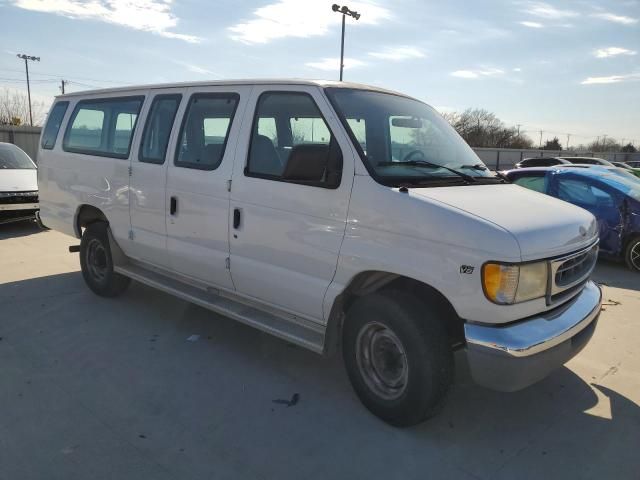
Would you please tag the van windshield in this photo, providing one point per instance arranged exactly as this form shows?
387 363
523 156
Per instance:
404 141
13 158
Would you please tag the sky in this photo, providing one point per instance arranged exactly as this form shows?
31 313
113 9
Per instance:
564 67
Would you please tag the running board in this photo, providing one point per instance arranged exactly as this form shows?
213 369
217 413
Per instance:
300 332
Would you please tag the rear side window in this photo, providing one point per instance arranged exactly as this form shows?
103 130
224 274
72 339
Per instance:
52 127
157 130
103 127
205 129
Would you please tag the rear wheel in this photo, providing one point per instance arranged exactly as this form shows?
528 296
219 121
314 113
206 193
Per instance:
97 263
398 357
632 254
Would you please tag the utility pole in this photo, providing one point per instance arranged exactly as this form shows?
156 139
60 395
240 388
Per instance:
541 138
344 10
62 85
519 125
604 143
568 137
26 59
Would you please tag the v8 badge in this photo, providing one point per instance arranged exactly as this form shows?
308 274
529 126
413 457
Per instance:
467 269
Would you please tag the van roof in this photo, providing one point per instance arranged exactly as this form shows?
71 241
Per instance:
263 81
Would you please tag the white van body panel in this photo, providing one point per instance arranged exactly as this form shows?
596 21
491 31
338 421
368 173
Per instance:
428 234
147 193
285 251
70 180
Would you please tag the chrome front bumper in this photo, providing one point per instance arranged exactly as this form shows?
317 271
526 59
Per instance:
13 207
514 356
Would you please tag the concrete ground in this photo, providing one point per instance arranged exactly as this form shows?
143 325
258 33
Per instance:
92 388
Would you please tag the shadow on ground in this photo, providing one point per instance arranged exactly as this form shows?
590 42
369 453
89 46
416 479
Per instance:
616 274
19 229
114 388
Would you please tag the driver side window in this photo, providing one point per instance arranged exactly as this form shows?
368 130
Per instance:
582 193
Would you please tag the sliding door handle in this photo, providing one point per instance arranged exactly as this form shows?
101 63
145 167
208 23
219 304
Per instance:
236 218
173 208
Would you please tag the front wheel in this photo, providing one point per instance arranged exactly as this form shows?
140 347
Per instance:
632 254
96 262
398 357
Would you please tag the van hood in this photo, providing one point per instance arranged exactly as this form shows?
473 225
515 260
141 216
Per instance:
18 180
542 225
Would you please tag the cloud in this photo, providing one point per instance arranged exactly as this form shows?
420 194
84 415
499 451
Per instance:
333 63
197 69
486 72
153 16
612 52
611 79
398 53
611 17
545 10
532 24
287 18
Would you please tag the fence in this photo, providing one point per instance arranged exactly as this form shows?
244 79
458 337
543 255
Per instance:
506 158
27 138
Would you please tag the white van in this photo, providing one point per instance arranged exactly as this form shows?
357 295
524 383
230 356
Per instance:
333 215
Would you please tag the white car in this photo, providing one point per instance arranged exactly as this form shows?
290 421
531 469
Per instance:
333 215
18 184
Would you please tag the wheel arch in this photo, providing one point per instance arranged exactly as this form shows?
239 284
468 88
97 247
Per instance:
368 282
85 215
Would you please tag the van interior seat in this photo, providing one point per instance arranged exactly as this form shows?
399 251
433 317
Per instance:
307 163
212 154
264 157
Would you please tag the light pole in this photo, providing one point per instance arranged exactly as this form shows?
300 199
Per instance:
26 59
344 11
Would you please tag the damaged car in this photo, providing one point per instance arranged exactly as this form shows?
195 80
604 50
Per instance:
612 198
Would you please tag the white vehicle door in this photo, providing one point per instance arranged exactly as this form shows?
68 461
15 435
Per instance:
198 183
289 199
147 188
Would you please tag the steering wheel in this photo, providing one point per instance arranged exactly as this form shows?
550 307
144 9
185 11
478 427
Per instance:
412 153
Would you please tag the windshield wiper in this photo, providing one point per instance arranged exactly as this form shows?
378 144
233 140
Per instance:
424 163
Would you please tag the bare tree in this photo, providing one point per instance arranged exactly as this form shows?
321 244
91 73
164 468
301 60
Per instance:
481 128
14 108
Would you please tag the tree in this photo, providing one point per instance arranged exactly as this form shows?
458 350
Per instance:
14 108
553 144
629 148
481 128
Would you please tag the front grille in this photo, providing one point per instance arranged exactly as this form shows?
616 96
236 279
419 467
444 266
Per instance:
569 273
575 268
9 198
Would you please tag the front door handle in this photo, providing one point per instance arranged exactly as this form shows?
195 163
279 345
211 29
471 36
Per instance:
236 218
173 208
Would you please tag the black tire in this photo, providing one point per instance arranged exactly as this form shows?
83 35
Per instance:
632 254
96 262
409 398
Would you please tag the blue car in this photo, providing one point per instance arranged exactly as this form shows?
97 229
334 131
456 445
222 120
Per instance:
613 198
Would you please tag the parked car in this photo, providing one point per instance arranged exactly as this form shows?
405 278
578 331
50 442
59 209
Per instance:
18 184
626 166
588 161
540 162
623 172
612 197
633 163
333 215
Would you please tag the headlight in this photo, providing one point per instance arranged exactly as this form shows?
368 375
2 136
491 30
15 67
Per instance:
508 284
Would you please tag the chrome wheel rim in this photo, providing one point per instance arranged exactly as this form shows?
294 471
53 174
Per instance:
635 256
96 260
382 361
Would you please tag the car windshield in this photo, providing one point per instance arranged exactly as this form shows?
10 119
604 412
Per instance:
404 141
13 158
